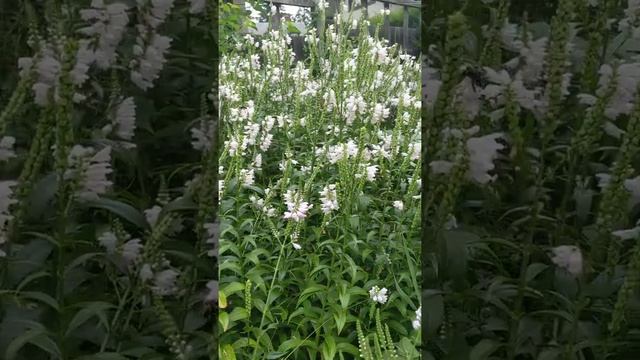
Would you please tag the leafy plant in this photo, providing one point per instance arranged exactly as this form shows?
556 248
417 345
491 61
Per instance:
319 196
531 199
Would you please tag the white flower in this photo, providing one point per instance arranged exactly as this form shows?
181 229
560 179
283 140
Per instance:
297 209
152 215
399 205
89 170
482 151
371 172
165 282
378 295
568 257
108 24
627 234
125 119
84 58
146 273
247 176
379 113
131 250
48 69
6 148
109 241
151 63
25 65
329 199
158 12
296 245
417 322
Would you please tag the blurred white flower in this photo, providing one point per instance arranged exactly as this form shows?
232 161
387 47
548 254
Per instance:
482 151
131 250
124 120
148 67
568 257
109 241
89 170
165 282
108 24
146 273
417 322
6 148
152 214
399 205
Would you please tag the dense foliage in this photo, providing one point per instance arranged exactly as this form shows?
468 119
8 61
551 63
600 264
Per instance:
320 188
104 202
532 147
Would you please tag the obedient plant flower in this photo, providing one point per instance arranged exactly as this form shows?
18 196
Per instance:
378 295
146 272
398 205
108 23
147 68
631 21
131 250
150 47
329 199
6 148
152 215
88 170
48 68
125 119
165 282
297 209
568 257
482 151
109 241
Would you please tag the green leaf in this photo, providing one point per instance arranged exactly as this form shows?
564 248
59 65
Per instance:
308 292
223 318
340 316
103 356
455 243
534 270
329 349
484 349
37 337
42 195
41 297
434 305
88 311
226 352
121 209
